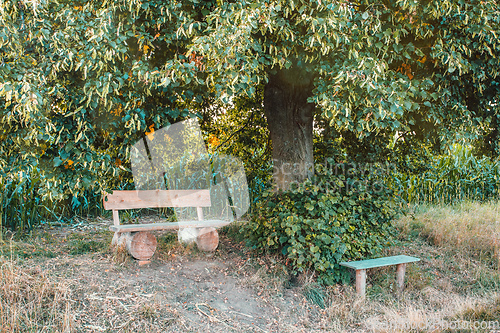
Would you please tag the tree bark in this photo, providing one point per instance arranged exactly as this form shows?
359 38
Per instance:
290 122
141 245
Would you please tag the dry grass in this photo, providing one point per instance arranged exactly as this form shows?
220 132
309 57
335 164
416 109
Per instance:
270 276
470 228
429 310
58 284
31 301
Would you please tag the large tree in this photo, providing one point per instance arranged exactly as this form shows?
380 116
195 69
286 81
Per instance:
82 80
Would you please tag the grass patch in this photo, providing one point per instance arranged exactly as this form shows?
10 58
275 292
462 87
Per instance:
483 312
233 231
316 294
167 242
51 244
79 246
469 228
41 245
31 301
79 243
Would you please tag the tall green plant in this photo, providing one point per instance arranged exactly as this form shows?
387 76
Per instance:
455 176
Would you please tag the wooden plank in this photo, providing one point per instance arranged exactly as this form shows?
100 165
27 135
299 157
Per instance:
120 200
199 211
379 262
361 282
168 225
116 217
400 277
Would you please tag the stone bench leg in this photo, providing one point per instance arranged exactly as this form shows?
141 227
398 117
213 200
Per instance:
361 282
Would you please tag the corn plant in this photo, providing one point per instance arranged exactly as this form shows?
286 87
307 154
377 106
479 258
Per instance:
28 199
20 208
455 176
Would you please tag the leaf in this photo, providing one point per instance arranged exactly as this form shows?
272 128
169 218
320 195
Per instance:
308 206
57 162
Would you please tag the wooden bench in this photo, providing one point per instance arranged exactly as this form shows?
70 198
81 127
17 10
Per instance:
361 267
140 243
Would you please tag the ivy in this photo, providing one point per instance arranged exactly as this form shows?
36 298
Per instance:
325 220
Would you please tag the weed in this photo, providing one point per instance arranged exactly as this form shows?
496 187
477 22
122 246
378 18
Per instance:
316 294
119 255
167 242
232 231
148 311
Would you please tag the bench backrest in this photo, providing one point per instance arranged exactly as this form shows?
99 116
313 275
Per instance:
120 200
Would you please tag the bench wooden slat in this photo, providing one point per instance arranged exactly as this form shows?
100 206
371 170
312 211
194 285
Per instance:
167 225
120 200
379 262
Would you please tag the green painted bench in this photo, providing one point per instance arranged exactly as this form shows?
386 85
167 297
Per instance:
362 265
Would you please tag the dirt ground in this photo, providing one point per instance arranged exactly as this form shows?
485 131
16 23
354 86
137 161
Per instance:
182 290
210 294
68 279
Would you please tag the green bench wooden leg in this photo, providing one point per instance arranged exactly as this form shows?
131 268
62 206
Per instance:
361 282
400 277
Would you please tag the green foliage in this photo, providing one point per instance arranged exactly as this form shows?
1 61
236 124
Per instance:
82 246
240 130
76 91
455 176
28 198
325 220
82 81
379 66
20 207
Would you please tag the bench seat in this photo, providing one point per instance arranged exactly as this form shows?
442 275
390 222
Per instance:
167 225
379 262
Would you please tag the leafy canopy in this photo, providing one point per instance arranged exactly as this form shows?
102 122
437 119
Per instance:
80 81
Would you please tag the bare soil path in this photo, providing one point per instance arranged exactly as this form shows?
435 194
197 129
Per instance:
182 290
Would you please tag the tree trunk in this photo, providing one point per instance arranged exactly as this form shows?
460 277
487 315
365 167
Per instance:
208 239
290 122
141 245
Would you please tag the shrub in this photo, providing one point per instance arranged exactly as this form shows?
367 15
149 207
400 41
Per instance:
327 219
